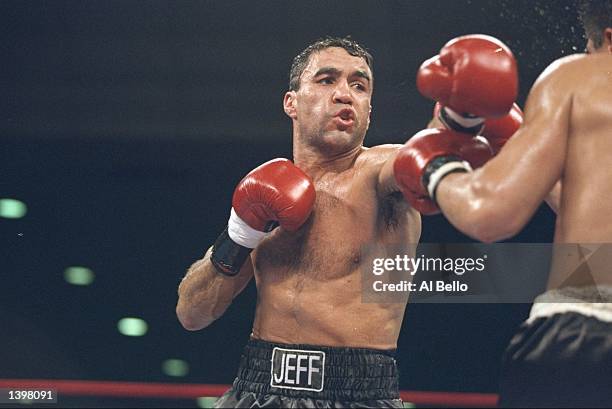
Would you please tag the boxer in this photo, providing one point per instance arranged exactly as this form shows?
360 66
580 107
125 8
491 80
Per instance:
299 229
562 355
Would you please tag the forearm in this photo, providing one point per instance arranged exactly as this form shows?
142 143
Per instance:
205 293
477 208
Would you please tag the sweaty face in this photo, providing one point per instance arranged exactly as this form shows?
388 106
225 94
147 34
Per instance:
332 106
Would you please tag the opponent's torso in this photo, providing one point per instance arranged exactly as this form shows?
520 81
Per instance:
585 214
309 282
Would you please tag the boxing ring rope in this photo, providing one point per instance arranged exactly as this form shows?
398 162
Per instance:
192 391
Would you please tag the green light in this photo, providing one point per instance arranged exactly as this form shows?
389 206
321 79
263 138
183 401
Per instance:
175 367
409 405
12 208
77 275
206 402
132 327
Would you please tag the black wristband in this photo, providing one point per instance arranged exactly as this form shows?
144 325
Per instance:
227 255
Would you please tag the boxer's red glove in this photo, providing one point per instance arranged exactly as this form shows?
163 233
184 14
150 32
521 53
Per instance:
275 193
429 156
497 131
474 77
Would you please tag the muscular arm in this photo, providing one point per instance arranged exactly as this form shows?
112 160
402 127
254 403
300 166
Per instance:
496 201
387 186
205 294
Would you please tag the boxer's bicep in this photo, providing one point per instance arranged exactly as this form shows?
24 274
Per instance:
535 157
532 161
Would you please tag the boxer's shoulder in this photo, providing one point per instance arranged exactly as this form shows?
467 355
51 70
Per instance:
559 81
376 156
369 163
585 69
394 209
569 66
578 74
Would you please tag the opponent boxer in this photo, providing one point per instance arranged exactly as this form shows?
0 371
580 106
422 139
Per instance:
314 342
562 355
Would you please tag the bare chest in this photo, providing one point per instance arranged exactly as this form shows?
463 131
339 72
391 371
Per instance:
329 244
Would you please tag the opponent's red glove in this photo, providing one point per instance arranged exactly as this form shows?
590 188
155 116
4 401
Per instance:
430 155
473 77
497 131
275 193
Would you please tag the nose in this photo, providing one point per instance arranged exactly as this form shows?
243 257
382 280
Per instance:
342 93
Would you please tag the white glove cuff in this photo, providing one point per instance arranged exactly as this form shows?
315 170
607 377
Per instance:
464 121
243 234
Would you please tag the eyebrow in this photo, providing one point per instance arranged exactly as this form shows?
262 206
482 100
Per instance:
336 72
362 74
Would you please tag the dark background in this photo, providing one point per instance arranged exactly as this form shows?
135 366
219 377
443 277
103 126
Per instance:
125 126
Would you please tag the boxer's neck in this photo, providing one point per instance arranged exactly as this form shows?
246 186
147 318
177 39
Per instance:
316 163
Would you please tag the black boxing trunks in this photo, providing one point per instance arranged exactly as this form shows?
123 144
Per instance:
562 355
310 376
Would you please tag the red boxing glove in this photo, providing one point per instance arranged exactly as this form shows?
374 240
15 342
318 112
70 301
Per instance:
498 130
473 74
430 155
277 192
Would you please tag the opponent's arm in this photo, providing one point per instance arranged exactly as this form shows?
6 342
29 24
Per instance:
496 201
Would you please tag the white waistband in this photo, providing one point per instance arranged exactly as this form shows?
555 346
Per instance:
590 301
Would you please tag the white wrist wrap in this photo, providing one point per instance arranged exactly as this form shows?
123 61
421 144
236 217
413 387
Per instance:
442 171
243 234
464 121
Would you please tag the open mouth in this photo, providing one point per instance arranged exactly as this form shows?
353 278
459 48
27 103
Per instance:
345 117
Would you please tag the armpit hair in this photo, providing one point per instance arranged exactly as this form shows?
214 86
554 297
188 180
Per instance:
389 208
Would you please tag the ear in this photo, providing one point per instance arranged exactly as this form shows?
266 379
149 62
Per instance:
290 104
608 39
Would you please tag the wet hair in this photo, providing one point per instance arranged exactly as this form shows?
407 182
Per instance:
301 60
596 16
